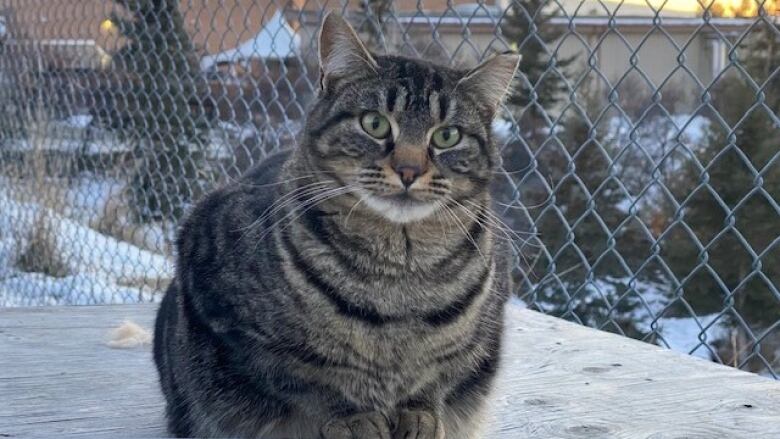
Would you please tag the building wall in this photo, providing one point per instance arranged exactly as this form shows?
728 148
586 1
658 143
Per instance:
219 25
633 49
651 52
655 55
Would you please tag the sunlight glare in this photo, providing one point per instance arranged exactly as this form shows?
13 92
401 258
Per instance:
721 8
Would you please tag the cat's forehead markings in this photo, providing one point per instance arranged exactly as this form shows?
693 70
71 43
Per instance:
437 82
437 111
392 95
446 106
402 97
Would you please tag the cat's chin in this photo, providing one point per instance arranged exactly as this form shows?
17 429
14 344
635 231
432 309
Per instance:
400 209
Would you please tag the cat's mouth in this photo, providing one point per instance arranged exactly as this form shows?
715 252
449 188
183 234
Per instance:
403 198
402 207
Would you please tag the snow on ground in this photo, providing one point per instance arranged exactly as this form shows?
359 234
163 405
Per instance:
17 221
155 237
86 198
502 129
100 143
640 304
651 134
693 129
646 298
82 250
90 267
689 335
276 40
78 120
72 134
240 132
105 143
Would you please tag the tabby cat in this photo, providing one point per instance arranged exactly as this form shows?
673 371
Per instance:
353 287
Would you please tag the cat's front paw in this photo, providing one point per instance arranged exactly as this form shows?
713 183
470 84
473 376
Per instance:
369 425
418 424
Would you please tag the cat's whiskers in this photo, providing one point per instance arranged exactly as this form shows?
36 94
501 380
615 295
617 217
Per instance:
496 230
508 234
375 184
354 206
522 206
313 195
501 231
289 197
483 219
439 213
518 171
284 201
465 231
501 222
532 266
244 183
307 205
442 224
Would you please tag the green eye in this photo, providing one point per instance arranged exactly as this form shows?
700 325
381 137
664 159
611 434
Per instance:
446 137
375 124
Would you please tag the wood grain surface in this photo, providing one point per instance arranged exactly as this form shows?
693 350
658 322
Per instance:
558 380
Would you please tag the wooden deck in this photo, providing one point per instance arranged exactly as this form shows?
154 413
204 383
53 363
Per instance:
559 380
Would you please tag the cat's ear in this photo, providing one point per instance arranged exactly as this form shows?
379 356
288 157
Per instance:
490 81
341 51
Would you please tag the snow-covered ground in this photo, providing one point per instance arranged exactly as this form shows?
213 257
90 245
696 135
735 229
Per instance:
87 197
75 133
693 335
640 303
650 135
54 257
79 249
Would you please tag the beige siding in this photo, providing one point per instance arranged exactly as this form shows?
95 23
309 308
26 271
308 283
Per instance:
219 25
661 52
655 55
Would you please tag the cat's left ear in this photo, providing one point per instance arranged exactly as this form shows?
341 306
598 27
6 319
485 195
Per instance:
490 81
341 52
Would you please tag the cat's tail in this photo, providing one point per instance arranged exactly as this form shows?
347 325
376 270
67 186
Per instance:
128 335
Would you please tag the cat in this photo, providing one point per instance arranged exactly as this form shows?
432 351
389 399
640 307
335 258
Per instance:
352 287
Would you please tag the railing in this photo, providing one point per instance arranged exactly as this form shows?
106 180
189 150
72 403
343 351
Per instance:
641 147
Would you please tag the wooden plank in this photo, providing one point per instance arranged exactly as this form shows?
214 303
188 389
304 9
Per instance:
58 378
558 380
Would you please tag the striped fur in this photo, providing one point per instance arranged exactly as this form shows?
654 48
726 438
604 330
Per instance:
316 289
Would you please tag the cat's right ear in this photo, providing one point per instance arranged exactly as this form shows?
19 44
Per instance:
341 51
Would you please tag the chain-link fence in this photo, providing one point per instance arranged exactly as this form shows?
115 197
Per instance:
641 146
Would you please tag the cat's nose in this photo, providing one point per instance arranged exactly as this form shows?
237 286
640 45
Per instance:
408 174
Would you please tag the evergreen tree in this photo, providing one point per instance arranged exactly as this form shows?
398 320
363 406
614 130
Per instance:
527 28
589 240
159 111
373 24
742 219
583 227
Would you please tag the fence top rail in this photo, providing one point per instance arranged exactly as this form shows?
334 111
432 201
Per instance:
58 378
